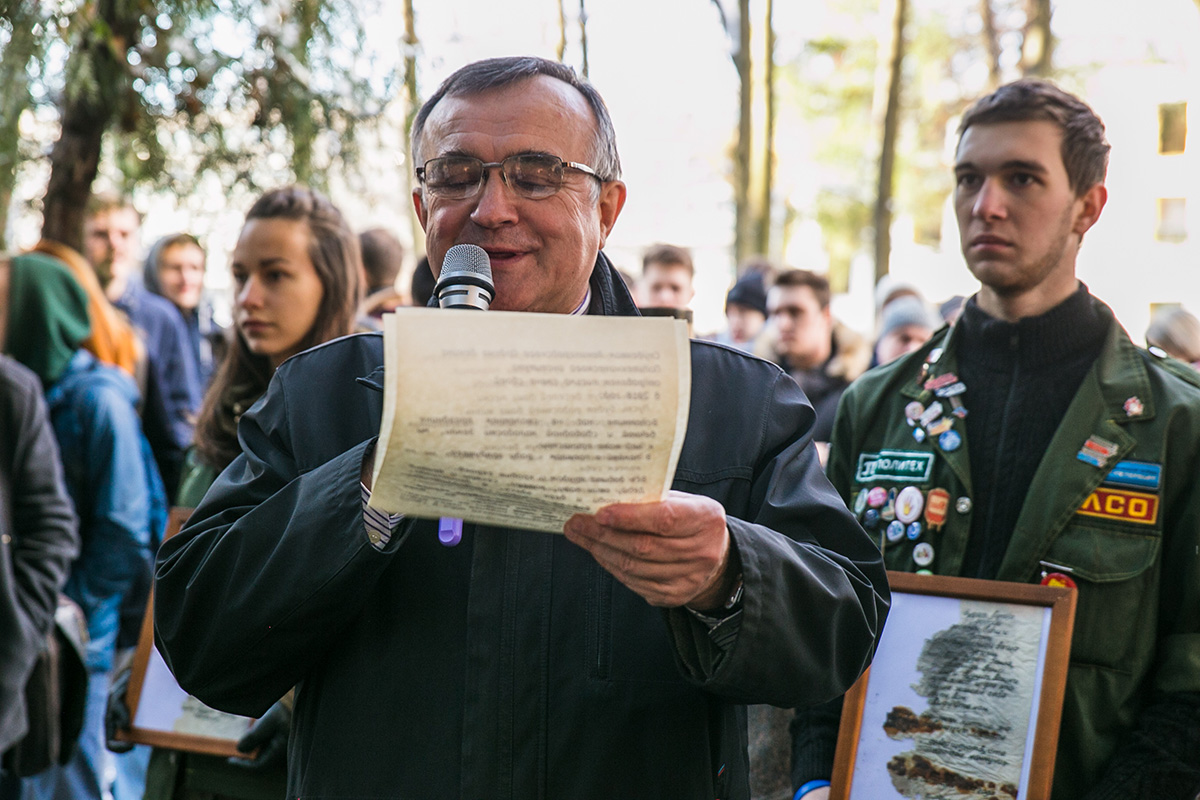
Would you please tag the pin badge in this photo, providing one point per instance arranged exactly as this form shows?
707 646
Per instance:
1134 407
1097 451
913 412
949 441
941 381
860 502
895 531
936 505
923 554
871 519
919 434
1058 579
888 510
941 426
877 497
932 413
963 505
909 504
913 531
953 390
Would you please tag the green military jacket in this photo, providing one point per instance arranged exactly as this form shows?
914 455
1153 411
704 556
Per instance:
1114 503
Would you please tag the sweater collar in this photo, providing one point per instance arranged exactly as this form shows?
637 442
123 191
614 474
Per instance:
1073 326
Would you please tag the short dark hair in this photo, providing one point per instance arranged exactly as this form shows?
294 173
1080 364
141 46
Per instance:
1084 148
802 277
495 73
382 257
668 255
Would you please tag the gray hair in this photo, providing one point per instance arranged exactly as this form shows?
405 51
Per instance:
495 73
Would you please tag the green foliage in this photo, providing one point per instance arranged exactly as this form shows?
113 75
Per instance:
257 92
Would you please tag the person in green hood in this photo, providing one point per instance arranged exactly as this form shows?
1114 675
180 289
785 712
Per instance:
110 475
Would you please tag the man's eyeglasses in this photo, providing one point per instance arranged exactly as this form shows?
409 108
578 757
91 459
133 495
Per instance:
530 175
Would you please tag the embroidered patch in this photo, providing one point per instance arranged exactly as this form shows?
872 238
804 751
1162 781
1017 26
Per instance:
1121 505
894 465
1135 475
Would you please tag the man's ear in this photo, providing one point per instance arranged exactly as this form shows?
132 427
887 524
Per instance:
1091 204
418 198
612 200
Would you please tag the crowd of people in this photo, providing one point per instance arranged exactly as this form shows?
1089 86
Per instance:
381 659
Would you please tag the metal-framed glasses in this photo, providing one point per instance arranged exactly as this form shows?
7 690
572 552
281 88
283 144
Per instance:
531 175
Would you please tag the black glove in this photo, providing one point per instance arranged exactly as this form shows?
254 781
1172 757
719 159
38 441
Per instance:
268 735
116 712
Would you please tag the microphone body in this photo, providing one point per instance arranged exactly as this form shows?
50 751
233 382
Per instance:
466 279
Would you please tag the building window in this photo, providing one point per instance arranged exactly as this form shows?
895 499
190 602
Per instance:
1172 128
1172 219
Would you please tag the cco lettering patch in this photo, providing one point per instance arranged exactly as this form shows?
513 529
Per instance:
894 465
1122 505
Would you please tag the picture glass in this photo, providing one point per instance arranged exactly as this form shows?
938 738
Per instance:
953 715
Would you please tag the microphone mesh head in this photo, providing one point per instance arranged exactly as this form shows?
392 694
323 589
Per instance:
468 258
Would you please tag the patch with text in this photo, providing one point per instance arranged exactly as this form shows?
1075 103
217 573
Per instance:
1122 505
894 465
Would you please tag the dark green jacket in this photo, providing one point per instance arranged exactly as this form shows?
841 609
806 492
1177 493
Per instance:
1132 555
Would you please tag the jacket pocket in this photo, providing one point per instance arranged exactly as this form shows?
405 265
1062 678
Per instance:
626 638
1116 572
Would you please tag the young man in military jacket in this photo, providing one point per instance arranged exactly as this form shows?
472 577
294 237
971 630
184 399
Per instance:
1033 442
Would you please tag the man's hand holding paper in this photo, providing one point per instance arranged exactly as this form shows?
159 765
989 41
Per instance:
672 553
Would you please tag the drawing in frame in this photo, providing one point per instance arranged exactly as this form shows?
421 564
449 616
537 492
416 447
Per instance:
162 713
964 696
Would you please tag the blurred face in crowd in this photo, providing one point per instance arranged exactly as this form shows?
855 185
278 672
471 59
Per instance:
803 329
277 290
181 274
744 322
1019 220
542 251
110 239
665 286
901 341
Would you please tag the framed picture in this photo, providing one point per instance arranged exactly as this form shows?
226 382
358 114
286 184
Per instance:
165 715
964 696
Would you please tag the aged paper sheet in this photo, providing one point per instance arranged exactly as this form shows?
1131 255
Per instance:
521 420
961 729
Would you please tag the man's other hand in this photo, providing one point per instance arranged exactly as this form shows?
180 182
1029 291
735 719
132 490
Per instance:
672 553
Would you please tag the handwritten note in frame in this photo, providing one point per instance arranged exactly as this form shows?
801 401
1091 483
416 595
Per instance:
966 690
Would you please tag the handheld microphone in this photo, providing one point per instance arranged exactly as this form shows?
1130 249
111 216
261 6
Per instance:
466 278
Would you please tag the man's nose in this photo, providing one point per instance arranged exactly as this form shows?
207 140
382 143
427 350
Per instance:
990 201
496 202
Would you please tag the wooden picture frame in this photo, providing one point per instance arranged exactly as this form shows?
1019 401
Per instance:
163 714
966 689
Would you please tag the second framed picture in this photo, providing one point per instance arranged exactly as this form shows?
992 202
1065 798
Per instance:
964 696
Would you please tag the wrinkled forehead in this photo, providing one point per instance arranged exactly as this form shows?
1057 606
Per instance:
538 114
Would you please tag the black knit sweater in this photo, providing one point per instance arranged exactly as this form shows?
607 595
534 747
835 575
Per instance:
1020 377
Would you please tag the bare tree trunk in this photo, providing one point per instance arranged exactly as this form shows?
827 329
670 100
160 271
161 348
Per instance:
742 242
991 41
86 115
887 151
411 106
14 77
1037 50
562 31
762 238
583 44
